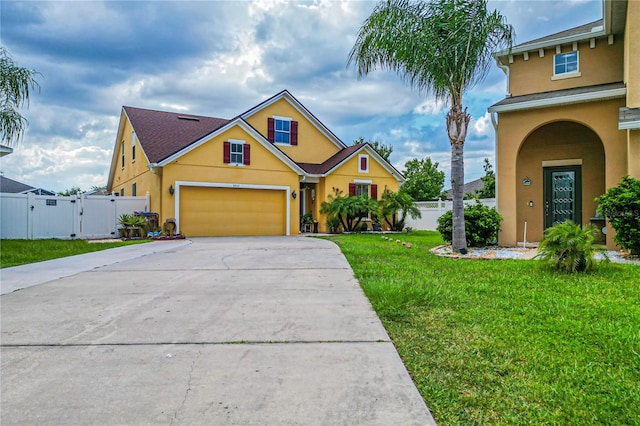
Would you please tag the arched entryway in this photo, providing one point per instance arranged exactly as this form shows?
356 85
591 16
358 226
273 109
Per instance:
560 170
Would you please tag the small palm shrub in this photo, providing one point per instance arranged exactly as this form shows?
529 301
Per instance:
481 223
568 247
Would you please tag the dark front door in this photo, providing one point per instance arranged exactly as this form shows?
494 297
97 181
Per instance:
562 195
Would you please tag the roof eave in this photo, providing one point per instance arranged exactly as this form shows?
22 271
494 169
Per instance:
562 100
549 43
247 128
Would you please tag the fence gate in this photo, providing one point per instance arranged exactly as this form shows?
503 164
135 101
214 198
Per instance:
30 216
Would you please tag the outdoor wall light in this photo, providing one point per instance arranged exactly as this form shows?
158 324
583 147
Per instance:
171 190
293 194
530 203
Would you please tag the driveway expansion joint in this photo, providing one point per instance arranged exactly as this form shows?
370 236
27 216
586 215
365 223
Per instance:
230 342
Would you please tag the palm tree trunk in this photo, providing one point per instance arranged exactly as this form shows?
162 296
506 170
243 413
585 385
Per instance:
457 123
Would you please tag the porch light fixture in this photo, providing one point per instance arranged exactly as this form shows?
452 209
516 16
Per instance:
171 190
293 194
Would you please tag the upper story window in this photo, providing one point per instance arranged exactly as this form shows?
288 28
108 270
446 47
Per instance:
282 130
565 63
363 163
133 146
122 153
237 152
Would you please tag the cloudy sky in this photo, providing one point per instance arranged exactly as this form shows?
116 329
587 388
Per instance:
220 58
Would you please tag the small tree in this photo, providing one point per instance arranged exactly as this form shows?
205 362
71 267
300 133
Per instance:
488 182
15 85
621 205
393 204
382 149
74 190
349 210
423 179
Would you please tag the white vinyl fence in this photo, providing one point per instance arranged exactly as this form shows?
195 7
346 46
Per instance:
432 210
32 217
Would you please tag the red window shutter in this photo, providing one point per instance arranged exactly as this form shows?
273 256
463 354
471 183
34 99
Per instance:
227 152
352 189
271 134
246 154
374 191
363 163
294 133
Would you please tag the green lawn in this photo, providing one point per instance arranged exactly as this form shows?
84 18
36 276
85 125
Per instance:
20 252
503 341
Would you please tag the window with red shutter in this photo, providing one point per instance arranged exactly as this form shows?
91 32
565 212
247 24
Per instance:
374 191
363 163
352 189
294 133
226 156
271 134
246 151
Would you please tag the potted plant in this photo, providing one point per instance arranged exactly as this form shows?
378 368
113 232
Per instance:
125 223
138 223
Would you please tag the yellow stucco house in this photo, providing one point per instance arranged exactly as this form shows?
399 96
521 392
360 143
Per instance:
254 174
569 127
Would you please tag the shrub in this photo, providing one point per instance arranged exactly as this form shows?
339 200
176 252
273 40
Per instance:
621 205
482 225
568 247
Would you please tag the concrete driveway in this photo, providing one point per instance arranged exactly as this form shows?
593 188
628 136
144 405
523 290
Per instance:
255 330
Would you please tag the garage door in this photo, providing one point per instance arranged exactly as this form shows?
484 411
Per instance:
206 211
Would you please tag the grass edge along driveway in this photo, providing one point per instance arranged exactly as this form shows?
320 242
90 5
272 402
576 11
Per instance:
21 252
504 341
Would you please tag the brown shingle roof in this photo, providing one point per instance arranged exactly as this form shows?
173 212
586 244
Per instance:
337 158
582 29
162 134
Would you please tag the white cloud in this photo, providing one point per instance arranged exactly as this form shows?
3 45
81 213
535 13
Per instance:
430 107
482 127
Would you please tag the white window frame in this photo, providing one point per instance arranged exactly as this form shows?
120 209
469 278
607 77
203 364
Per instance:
122 156
360 169
277 118
566 74
133 146
236 142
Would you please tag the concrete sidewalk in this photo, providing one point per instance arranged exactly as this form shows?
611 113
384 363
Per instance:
23 276
271 330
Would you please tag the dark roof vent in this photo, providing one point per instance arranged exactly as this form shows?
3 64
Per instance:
184 117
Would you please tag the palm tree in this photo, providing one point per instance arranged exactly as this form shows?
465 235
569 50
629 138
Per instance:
15 84
392 203
443 47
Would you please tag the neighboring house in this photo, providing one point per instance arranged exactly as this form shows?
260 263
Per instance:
14 187
569 128
5 150
468 189
255 174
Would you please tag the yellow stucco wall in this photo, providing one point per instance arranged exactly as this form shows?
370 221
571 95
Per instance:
513 130
134 171
313 146
600 65
348 173
632 54
205 164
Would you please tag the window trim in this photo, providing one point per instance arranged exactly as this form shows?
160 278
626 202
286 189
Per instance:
566 74
122 154
233 142
275 131
133 146
360 158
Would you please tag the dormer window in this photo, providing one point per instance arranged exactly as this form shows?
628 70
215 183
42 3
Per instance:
565 63
282 130
363 163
